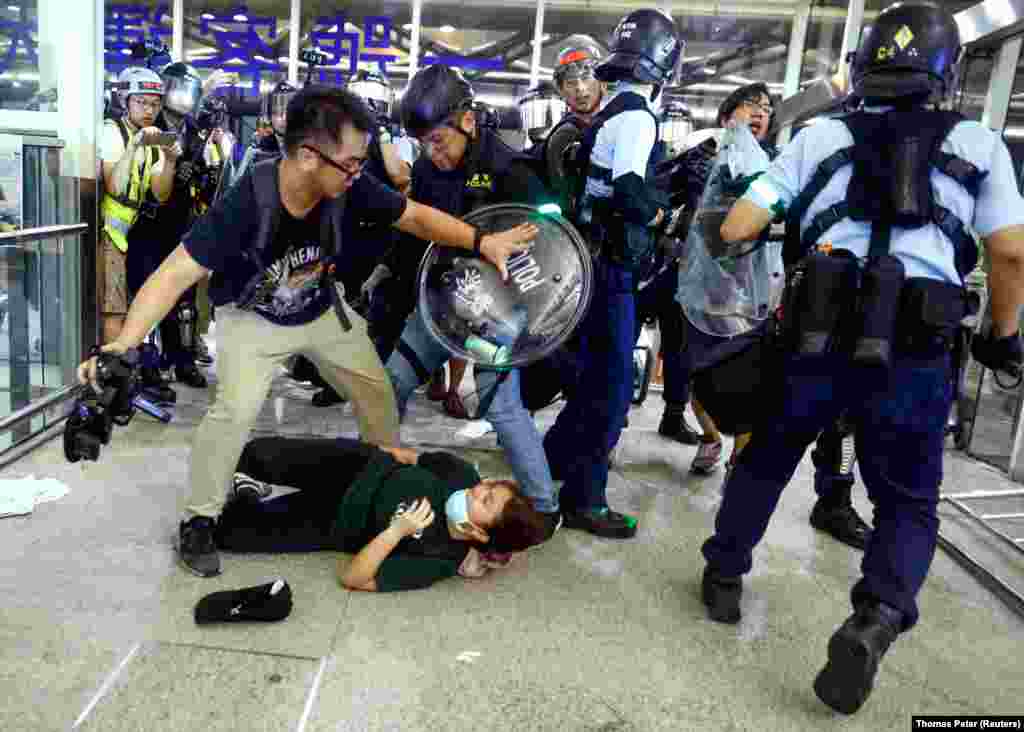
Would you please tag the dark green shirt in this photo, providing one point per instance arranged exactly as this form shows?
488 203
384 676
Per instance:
387 488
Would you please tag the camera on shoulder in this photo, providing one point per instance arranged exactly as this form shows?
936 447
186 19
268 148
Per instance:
95 413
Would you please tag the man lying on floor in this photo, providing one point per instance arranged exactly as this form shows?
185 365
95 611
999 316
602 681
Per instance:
378 503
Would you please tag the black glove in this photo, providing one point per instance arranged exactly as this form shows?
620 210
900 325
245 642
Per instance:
697 163
999 354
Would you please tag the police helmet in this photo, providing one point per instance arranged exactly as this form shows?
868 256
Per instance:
183 88
375 89
911 50
676 125
275 103
540 109
645 47
577 58
433 95
138 80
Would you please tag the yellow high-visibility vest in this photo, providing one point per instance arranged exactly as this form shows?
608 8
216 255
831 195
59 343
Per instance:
121 212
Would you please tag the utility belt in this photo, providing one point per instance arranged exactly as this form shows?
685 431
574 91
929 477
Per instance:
621 242
834 306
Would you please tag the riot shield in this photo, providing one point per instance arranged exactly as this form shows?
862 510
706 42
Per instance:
476 316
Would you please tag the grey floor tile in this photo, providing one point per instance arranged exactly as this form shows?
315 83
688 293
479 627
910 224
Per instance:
169 688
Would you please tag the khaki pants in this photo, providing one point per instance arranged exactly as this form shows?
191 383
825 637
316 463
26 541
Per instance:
249 351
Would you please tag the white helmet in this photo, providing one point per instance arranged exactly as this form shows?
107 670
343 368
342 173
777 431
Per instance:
139 80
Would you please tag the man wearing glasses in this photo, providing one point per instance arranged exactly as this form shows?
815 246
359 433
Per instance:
274 297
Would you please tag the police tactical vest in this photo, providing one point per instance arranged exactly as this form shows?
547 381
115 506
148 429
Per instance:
264 180
120 212
893 154
634 245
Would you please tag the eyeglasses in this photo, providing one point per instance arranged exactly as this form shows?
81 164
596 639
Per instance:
353 166
146 105
755 104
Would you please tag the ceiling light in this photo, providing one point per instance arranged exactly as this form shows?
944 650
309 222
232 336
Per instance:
208 16
15 83
126 51
13 8
447 29
283 59
407 26
333 29
241 18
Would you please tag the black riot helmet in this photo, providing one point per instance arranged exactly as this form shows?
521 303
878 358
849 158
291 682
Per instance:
645 47
374 88
274 106
433 95
183 89
911 50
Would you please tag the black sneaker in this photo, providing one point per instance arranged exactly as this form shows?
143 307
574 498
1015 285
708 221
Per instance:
190 376
602 522
244 486
675 427
842 523
327 398
154 386
721 595
854 652
196 548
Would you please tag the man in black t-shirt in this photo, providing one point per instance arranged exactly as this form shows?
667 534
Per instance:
274 297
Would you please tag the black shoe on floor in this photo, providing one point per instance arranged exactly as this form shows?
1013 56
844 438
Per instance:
154 387
842 523
675 427
190 376
854 652
602 522
196 548
327 398
721 595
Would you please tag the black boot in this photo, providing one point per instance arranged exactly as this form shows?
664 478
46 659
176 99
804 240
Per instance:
189 375
675 427
721 594
854 652
842 523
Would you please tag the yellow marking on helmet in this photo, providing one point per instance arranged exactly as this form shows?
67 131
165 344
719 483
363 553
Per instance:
903 37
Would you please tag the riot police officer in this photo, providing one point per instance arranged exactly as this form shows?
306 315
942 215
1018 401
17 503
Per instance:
619 214
269 140
878 202
465 166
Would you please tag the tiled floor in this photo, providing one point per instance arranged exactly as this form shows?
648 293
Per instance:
96 628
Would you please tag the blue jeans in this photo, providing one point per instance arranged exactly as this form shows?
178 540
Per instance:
589 425
900 418
517 432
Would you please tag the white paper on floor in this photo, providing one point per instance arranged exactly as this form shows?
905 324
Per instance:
19 496
475 429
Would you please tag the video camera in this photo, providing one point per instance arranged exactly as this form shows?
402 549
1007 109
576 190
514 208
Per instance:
213 111
94 414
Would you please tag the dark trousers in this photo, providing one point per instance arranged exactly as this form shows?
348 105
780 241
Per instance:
322 470
900 416
389 310
589 425
144 258
658 300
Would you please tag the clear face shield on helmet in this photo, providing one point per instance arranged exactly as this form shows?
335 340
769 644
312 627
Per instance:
539 113
379 97
579 86
275 110
182 94
676 125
